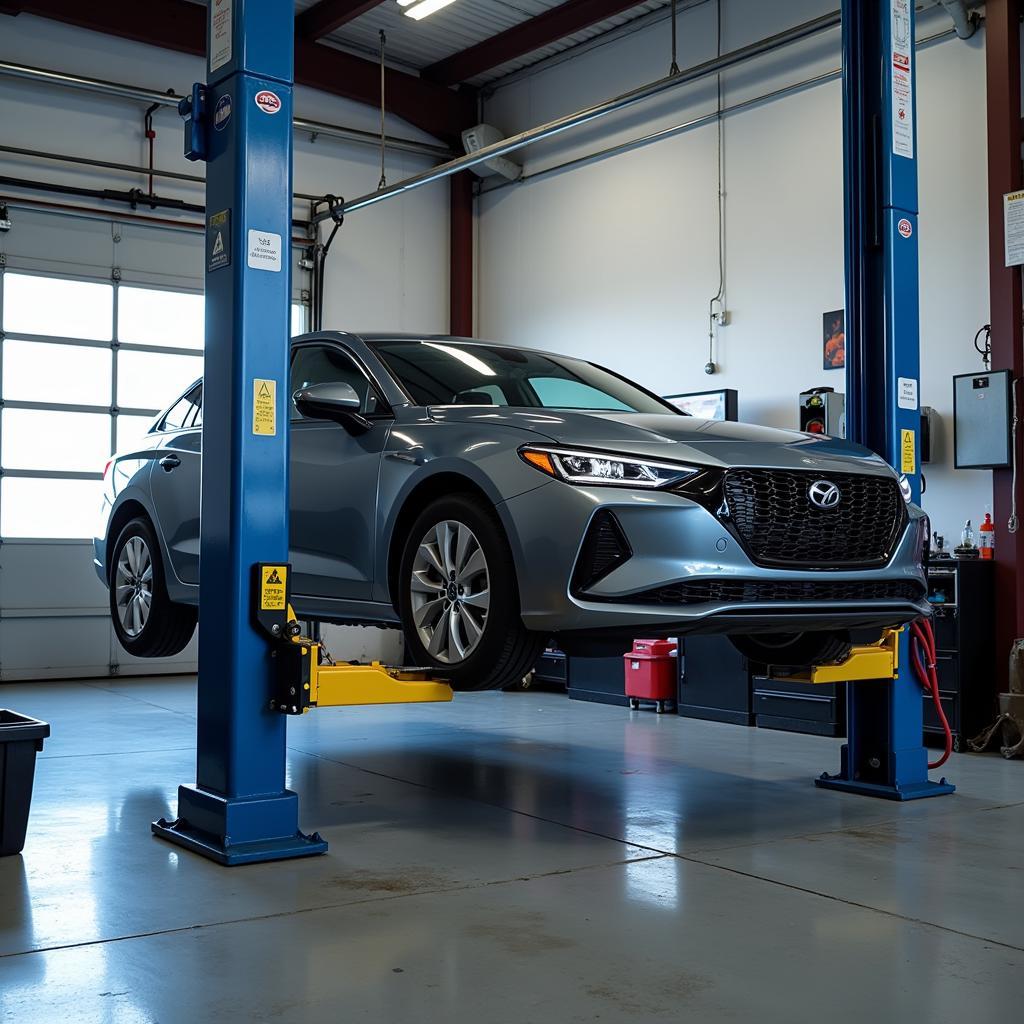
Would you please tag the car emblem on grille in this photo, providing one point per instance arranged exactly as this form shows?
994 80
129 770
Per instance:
824 494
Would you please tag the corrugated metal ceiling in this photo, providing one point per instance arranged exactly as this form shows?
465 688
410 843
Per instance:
463 23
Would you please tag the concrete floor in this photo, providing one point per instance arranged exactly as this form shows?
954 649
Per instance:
508 857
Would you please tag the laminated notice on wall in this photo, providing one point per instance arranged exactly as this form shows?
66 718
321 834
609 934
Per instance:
901 76
220 34
1013 228
264 407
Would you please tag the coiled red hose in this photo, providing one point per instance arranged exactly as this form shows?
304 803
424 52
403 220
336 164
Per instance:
922 655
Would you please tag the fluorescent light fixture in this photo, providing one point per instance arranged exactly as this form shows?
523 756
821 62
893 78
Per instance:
419 9
463 357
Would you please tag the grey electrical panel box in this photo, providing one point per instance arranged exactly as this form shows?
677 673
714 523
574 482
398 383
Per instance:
981 420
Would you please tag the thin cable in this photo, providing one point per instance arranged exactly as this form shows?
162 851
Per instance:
383 137
710 366
674 66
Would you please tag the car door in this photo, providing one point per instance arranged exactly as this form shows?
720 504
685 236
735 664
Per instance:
175 482
334 480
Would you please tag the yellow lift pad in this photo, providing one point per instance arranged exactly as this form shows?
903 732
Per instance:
866 661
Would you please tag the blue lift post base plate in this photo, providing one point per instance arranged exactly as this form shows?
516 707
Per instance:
913 791
213 847
241 830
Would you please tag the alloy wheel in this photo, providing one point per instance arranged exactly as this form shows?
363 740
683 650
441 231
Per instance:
134 585
450 592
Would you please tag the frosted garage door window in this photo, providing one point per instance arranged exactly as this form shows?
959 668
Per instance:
73 442
57 307
152 380
298 319
36 371
49 508
148 316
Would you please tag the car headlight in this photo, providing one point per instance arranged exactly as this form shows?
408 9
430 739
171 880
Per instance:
581 467
908 494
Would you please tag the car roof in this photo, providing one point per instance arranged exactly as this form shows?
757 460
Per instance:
378 337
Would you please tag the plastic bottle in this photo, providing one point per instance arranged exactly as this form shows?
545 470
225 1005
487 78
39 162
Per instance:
987 537
967 535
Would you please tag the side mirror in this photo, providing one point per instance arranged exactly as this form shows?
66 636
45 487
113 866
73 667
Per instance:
333 401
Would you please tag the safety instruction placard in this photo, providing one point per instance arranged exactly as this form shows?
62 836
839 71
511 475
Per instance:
901 77
908 451
906 395
220 34
1013 228
264 407
264 250
218 241
273 588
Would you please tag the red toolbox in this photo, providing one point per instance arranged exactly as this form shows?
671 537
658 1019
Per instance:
651 673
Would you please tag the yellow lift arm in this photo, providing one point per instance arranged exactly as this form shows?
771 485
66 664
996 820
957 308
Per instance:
866 661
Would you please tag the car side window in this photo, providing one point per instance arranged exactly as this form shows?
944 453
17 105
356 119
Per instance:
183 412
327 364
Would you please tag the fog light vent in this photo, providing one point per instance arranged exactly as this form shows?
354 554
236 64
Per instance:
604 549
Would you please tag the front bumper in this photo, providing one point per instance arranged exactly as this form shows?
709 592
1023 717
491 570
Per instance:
674 540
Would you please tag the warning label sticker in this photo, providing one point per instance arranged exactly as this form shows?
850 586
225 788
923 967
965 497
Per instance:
220 34
902 81
908 451
218 241
264 407
273 589
264 251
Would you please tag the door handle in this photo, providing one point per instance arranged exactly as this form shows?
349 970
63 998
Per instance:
168 462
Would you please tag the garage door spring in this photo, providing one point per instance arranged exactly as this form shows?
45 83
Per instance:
383 138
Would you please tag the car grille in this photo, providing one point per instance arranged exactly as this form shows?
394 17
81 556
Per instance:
773 517
749 591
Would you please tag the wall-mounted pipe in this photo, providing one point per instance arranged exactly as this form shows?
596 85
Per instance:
42 76
581 117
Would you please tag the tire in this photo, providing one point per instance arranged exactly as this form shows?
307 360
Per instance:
163 629
488 648
794 650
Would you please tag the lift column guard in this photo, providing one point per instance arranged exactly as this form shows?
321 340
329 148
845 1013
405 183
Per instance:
885 754
240 122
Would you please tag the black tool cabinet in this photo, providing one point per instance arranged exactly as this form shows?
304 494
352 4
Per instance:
962 592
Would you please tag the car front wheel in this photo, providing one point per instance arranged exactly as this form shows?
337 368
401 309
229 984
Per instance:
459 600
147 623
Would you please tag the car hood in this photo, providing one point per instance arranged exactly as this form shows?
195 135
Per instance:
675 438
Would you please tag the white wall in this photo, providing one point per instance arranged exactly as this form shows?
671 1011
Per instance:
388 268
616 260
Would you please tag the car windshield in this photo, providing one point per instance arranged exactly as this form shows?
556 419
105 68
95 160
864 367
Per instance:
456 373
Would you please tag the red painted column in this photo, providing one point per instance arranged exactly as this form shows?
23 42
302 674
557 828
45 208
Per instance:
1002 58
461 255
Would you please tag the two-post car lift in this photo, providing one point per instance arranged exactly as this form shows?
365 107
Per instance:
251 658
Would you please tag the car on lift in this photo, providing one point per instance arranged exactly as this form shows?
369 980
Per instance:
484 498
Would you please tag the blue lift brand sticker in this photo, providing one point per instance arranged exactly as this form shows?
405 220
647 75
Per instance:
218 241
222 112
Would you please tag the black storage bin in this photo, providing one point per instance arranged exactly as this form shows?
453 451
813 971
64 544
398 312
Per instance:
20 739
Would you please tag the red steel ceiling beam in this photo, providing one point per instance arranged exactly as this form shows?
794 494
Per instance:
1003 79
181 26
328 16
544 29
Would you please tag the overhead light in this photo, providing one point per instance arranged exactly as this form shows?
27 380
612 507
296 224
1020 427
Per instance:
419 9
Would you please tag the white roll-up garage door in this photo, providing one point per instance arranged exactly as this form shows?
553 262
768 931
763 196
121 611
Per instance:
102 327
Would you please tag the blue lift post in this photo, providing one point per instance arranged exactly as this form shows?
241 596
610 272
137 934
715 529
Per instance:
239 810
885 754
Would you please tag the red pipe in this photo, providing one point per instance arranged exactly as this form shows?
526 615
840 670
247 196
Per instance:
922 653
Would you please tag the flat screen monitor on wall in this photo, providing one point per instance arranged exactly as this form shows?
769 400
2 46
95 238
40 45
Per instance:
708 405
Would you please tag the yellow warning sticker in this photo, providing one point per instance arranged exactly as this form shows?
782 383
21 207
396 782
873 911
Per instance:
273 580
264 407
908 451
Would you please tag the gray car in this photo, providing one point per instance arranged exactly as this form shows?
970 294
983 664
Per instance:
485 498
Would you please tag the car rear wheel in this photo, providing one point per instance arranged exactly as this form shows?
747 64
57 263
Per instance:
147 623
459 600
795 650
